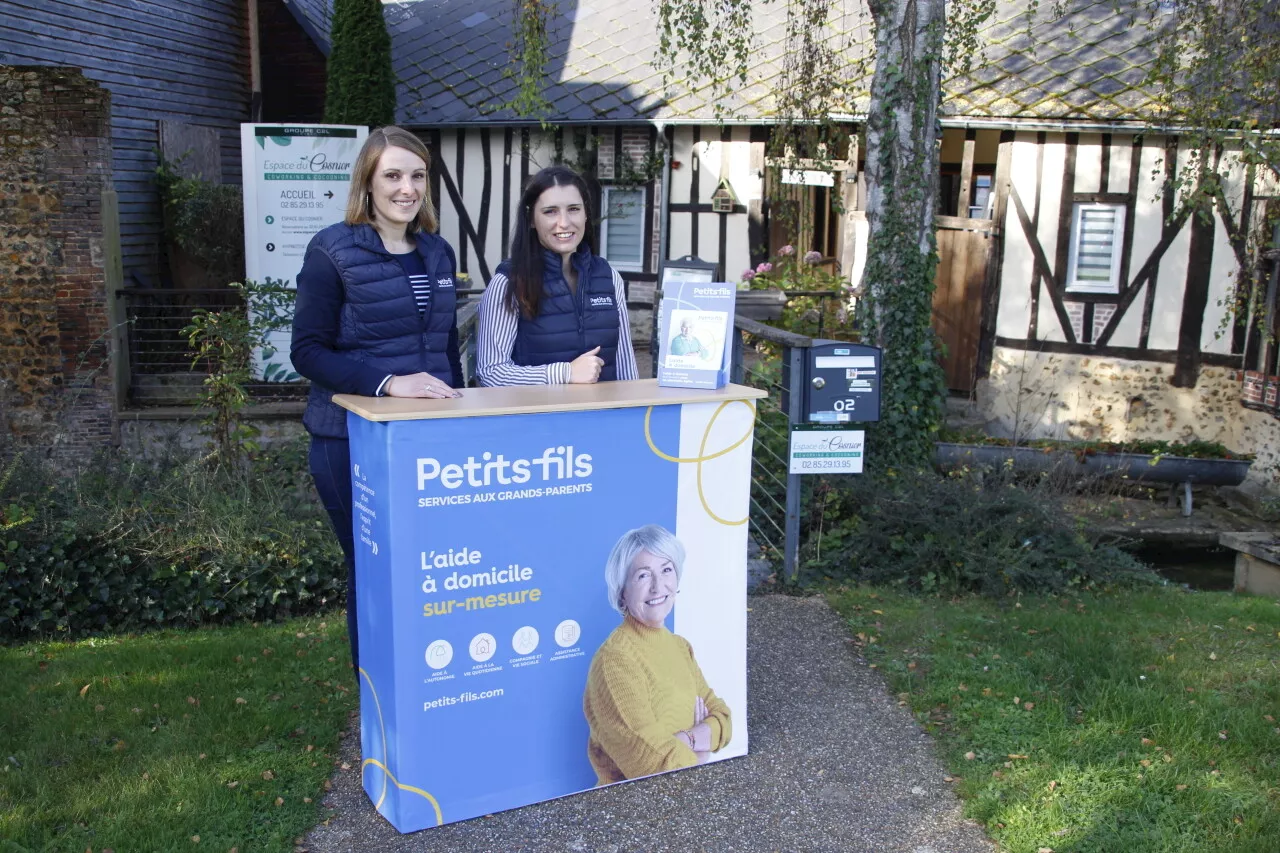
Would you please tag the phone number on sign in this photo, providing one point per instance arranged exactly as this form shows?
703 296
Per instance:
823 464
301 205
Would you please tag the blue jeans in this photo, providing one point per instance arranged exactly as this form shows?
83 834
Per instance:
330 465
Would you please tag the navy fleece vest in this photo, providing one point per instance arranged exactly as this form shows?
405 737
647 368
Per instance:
380 323
569 324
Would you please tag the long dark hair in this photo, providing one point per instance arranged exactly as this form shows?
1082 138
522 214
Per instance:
525 291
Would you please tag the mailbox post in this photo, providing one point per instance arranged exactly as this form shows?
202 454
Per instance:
827 387
833 385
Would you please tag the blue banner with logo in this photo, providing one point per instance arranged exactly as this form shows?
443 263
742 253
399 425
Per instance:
482 545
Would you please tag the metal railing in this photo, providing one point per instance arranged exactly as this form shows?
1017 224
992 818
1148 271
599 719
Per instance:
766 358
162 368
161 364
823 297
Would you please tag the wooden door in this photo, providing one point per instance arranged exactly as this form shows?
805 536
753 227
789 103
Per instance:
965 249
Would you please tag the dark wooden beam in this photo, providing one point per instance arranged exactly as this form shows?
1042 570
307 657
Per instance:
1066 210
1194 301
1131 353
464 220
991 288
694 164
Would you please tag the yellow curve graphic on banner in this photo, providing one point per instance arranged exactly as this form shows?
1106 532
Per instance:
382 732
703 456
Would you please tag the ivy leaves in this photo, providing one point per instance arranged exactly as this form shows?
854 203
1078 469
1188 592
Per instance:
710 39
530 51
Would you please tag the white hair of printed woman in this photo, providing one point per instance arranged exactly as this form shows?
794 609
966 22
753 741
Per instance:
653 538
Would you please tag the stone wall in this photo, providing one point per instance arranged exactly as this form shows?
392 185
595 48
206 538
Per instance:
155 438
1072 397
55 163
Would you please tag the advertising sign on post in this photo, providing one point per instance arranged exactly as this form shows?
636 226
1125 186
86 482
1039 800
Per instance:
826 451
497 668
296 178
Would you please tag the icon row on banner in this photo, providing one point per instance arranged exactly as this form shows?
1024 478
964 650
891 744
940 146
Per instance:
484 646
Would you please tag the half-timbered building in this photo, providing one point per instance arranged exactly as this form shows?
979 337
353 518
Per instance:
1073 300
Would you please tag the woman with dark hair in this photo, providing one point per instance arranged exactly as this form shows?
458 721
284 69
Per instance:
375 315
554 312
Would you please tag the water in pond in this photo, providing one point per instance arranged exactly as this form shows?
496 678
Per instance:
1204 568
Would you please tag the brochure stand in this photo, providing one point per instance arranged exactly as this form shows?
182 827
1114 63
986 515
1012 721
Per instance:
696 335
483 527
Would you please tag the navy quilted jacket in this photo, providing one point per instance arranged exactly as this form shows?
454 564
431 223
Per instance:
380 325
569 324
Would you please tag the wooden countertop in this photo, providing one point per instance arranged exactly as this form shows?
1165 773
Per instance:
525 399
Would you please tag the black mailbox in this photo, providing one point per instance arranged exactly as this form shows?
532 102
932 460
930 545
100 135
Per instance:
841 383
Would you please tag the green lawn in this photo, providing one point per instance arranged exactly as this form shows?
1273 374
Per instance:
1121 722
195 740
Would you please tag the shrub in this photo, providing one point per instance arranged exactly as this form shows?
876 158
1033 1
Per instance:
224 344
814 315
127 546
954 534
360 86
205 219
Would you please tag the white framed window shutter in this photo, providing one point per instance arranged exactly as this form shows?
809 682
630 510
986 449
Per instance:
1097 234
622 229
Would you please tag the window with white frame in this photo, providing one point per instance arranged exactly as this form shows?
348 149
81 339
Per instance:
1097 233
622 230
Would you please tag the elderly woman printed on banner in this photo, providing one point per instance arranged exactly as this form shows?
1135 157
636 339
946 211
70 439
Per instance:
647 703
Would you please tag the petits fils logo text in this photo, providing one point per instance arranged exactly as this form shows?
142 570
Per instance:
556 463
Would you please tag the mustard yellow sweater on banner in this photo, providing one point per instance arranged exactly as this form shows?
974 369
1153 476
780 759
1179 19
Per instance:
641 690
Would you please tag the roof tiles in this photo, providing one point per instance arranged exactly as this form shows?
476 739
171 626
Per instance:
454 61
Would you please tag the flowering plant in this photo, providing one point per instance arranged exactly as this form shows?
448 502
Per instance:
823 300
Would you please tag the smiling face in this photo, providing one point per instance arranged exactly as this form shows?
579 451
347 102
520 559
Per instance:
560 219
650 590
397 189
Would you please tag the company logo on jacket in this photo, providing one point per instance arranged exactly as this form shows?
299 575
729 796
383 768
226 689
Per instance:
602 302
445 282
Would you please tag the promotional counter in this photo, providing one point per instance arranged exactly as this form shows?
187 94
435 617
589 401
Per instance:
483 526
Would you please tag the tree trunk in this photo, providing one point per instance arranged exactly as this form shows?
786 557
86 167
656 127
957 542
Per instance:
902 192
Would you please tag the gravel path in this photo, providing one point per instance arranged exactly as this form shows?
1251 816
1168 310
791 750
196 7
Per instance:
835 765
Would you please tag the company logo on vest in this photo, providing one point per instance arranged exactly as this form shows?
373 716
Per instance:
602 302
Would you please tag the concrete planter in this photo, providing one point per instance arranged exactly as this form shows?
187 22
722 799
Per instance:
1133 466
760 305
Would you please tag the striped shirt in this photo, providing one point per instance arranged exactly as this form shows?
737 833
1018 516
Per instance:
497 338
416 270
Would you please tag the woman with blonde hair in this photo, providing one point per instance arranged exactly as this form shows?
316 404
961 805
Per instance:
375 315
